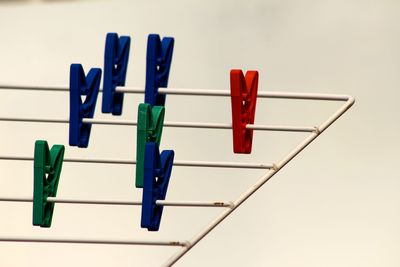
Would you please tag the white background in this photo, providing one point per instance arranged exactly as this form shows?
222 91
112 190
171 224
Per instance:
337 204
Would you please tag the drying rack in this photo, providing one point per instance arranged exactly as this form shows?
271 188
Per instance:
228 206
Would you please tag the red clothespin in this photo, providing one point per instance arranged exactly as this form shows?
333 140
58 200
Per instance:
243 100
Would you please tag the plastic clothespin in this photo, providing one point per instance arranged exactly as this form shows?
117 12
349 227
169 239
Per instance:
157 174
116 58
243 100
149 129
80 85
158 64
47 171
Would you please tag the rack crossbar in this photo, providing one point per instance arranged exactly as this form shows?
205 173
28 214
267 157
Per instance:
210 164
198 125
185 91
205 204
93 241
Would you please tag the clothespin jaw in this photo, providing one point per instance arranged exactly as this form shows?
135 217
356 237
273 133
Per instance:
243 100
47 171
116 58
149 129
157 174
80 85
158 64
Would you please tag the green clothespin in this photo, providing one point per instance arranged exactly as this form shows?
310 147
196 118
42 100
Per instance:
47 170
149 129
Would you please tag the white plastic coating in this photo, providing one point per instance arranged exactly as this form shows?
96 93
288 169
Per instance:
263 179
34 120
261 94
56 88
93 241
210 164
170 124
207 125
184 91
205 204
216 92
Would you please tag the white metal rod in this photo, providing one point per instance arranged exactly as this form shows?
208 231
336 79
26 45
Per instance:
184 91
280 128
171 124
261 94
93 241
261 182
206 204
34 120
223 164
57 88
210 164
207 125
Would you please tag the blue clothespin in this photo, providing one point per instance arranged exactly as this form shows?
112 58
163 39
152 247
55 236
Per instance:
157 172
116 58
47 171
80 85
158 64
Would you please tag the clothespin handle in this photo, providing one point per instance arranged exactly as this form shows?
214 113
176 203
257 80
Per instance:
157 173
47 171
116 58
243 103
81 85
149 129
158 65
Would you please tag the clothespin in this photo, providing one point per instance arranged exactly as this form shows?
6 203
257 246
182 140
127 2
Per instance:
149 129
158 64
157 174
47 171
80 85
116 58
243 100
